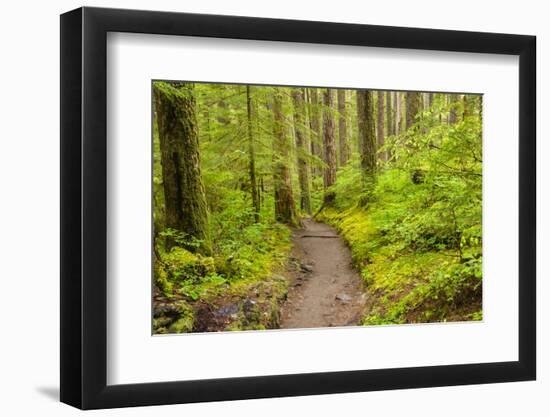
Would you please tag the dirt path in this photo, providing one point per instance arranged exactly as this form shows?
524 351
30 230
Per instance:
326 290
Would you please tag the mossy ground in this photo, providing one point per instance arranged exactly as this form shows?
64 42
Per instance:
240 289
406 285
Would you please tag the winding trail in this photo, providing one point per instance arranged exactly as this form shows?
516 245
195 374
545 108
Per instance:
326 290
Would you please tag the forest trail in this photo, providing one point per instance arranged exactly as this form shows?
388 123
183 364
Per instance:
326 290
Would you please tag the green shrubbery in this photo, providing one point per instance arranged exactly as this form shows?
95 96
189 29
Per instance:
245 259
417 240
411 214
247 253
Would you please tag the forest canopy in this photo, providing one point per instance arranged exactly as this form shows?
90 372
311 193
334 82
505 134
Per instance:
239 170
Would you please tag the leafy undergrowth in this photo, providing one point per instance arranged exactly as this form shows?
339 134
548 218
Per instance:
237 288
418 262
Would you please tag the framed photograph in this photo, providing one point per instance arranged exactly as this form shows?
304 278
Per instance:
258 208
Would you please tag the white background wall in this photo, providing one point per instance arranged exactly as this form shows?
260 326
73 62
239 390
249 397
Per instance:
29 225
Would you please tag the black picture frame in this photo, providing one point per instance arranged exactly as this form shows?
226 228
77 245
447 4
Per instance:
84 207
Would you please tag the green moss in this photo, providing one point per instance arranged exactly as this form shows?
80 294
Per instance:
173 317
242 272
356 228
405 283
161 280
162 321
182 265
260 303
183 325
477 316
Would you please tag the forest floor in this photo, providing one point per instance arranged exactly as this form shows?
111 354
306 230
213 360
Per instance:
325 290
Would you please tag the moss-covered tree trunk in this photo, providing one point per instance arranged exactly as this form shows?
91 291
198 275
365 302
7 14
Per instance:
389 114
285 211
367 137
380 124
342 128
315 124
351 121
398 112
412 107
329 145
252 158
301 142
429 100
185 203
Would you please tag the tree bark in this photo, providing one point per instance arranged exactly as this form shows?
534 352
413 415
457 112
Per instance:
184 198
285 211
389 114
430 97
299 128
367 137
412 107
315 124
252 158
329 143
380 124
398 112
342 128
352 114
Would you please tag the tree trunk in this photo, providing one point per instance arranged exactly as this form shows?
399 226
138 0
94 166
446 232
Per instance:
184 198
367 137
412 107
329 143
430 100
315 124
351 123
299 128
389 114
398 112
380 124
252 158
285 211
342 128
261 190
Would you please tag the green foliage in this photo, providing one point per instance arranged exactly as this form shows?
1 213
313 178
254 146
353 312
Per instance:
249 252
181 239
245 252
182 265
414 229
161 279
244 255
248 249
477 316
349 185
418 240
